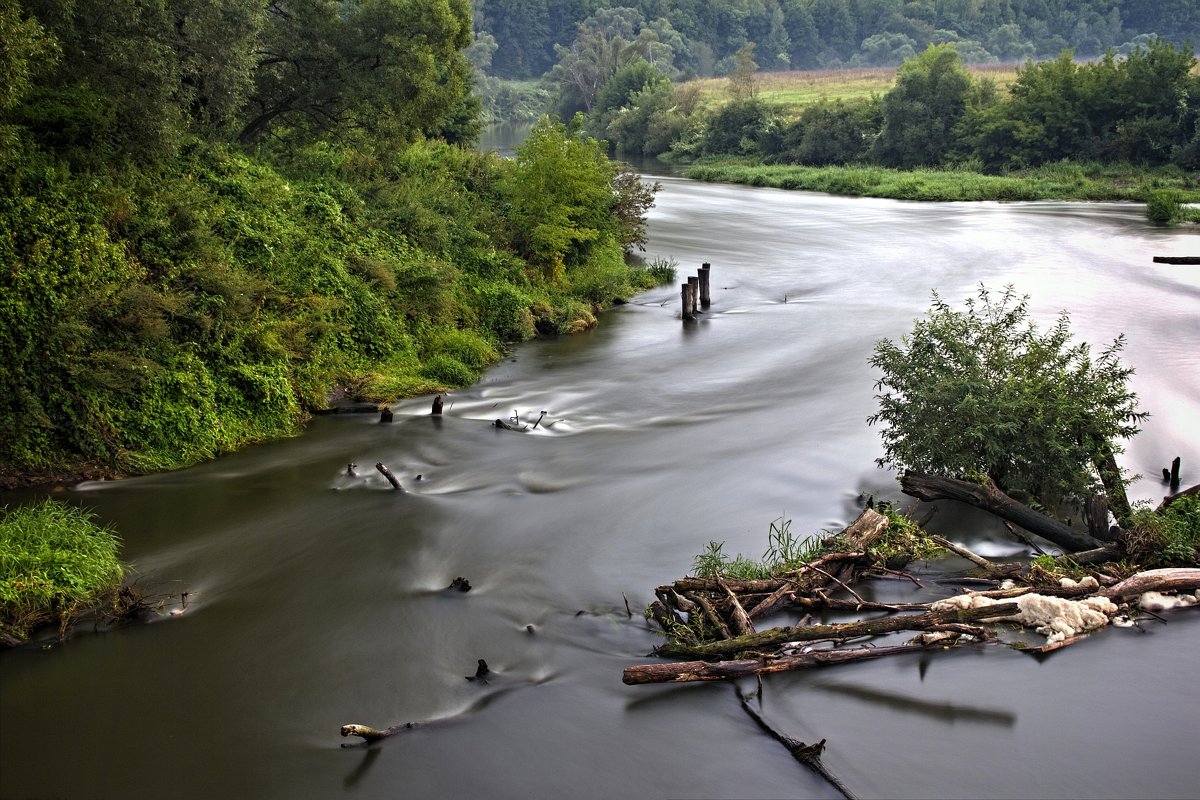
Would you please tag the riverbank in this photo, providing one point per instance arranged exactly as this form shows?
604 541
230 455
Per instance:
1062 181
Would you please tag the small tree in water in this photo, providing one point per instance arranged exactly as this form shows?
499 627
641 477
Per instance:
984 392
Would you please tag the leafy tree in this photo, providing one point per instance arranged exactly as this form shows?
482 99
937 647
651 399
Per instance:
329 68
742 83
921 111
625 82
560 198
984 391
25 49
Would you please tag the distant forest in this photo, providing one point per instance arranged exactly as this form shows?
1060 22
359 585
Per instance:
526 38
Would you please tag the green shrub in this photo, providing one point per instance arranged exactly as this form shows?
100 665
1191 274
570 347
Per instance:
1163 207
985 391
1171 538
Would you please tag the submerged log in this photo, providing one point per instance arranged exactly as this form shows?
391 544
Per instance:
989 498
387 473
807 754
370 735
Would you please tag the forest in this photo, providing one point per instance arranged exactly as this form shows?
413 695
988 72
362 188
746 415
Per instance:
216 215
704 37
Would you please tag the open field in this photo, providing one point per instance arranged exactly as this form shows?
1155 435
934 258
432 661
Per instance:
796 89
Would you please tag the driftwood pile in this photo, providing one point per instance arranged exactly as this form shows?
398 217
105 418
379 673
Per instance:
714 626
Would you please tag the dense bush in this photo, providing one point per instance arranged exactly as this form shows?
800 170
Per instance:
984 392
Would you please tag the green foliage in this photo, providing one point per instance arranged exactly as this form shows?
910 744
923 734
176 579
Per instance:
391 68
738 127
1163 207
53 559
921 112
985 391
1171 538
836 132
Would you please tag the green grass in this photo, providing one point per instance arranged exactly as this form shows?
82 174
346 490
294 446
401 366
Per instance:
54 560
1062 181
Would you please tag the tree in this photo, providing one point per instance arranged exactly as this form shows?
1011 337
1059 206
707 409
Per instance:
985 392
742 83
560 198
328 68
921 111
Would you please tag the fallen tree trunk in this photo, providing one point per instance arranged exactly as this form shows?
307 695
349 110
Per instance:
692 671
991 499
1173 497
844 630
1173 579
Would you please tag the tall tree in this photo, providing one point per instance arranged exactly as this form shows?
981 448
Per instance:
334 67
922 110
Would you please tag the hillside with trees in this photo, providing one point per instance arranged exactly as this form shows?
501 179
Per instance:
214 214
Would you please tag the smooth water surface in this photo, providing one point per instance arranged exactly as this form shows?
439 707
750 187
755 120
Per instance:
318 599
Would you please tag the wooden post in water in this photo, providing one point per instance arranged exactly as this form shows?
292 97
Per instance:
1175 475
705 295
694 288
689 302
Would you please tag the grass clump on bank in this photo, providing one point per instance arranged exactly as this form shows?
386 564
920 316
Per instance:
55 562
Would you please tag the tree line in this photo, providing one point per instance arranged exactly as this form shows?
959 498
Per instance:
529 36
1141 108
213 213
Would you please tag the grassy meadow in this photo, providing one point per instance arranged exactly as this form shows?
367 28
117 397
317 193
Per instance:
793 90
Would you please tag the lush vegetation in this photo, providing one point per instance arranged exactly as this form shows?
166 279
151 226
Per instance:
1134 106
215 213
983 393
55 561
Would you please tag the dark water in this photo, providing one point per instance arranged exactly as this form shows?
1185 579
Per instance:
316 599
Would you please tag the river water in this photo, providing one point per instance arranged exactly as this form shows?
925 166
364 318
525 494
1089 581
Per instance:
317 598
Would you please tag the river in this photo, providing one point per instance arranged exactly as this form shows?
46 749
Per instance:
317 598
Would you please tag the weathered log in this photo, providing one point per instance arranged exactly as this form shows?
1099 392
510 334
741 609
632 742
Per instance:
1171 579
711 613
989 498
370 735
959 550
387 473
691 671
437 405
386 415
1174 474
508 426
705 293
776 637
741 622
1177 259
